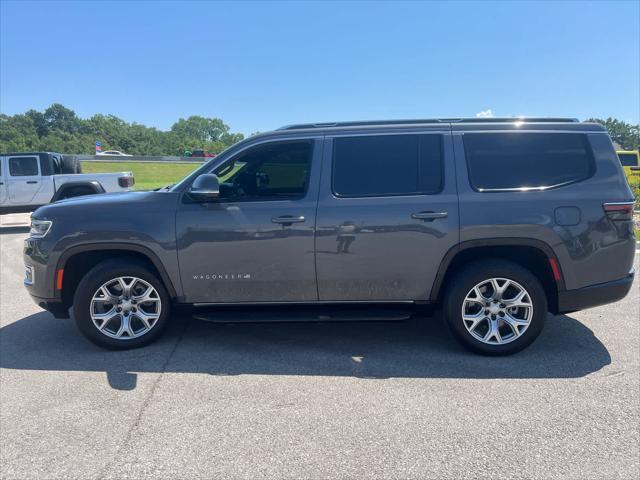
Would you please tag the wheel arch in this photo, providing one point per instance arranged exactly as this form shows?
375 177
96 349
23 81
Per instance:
93 185
532 254
77 261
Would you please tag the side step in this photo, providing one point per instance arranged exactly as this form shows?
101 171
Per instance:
293 314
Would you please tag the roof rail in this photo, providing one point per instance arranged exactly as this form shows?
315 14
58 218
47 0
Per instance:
369 123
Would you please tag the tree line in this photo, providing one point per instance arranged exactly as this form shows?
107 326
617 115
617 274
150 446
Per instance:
59 129
624 134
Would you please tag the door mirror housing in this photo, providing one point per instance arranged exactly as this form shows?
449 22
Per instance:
205 188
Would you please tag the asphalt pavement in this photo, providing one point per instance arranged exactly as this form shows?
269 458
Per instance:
318 400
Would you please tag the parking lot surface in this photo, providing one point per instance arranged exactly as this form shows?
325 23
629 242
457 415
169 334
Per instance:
318 400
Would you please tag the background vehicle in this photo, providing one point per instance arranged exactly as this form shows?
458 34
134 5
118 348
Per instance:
202 153
29 180
630 160
114 153
499 221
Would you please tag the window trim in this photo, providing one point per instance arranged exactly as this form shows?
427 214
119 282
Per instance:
11 175
441 136
543 188
310 141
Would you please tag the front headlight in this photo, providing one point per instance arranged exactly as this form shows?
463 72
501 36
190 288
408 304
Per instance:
39 228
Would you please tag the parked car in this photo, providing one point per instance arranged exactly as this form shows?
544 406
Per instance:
630 161
114 153
497 221
30 180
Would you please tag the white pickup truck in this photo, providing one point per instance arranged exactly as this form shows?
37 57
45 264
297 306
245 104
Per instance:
30 180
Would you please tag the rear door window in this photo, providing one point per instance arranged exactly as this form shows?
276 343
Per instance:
379 165
510 161
23 166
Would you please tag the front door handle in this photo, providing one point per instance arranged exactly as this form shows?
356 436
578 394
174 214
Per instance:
288 219
429 216
31 182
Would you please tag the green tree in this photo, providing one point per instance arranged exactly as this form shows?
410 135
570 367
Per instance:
59 117
625 134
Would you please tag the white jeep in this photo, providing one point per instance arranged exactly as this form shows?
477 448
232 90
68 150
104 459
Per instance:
30 180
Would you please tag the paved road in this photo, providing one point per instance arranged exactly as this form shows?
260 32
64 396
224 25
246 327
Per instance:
365 400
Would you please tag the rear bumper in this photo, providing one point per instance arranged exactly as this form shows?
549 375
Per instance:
594 295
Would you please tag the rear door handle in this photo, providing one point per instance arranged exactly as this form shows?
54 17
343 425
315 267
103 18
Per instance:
288 219
429 216
30 182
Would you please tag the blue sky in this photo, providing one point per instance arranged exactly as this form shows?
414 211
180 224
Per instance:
262 65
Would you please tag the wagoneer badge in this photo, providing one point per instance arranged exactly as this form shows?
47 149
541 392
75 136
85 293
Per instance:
222 276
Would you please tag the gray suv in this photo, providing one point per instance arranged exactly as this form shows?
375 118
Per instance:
497 221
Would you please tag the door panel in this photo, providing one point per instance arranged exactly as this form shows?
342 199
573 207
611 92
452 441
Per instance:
252 250
3 181
384 248
24 178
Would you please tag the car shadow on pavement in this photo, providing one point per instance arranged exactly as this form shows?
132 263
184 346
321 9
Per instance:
417 348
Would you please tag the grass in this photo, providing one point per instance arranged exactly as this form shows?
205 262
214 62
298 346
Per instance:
148 175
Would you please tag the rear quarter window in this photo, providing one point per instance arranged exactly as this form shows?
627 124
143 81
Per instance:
517 161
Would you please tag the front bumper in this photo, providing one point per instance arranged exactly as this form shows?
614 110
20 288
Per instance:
56 307
594 295
39 279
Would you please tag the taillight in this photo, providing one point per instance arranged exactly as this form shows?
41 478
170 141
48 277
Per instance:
619 210
126 182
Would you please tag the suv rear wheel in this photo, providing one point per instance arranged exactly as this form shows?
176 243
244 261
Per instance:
120 304
495 307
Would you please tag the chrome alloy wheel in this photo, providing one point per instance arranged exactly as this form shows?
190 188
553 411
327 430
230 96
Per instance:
497 311
125 308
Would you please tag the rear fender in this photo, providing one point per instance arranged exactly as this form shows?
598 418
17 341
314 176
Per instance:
94 186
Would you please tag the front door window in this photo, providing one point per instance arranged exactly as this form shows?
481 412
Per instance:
274 171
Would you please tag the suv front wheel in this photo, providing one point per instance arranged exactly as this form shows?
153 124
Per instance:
121 304
495 307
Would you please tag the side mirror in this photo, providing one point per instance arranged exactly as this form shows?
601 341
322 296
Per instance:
205 188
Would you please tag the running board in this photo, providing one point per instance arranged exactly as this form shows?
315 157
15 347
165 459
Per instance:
255 315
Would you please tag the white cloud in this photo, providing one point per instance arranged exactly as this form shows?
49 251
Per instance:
488 113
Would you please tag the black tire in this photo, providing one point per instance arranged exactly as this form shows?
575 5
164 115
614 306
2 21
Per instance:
71 164
102 273
465 279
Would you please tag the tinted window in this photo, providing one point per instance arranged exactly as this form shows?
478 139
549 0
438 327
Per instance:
272 171
628 159
387 165
23 166
520 160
